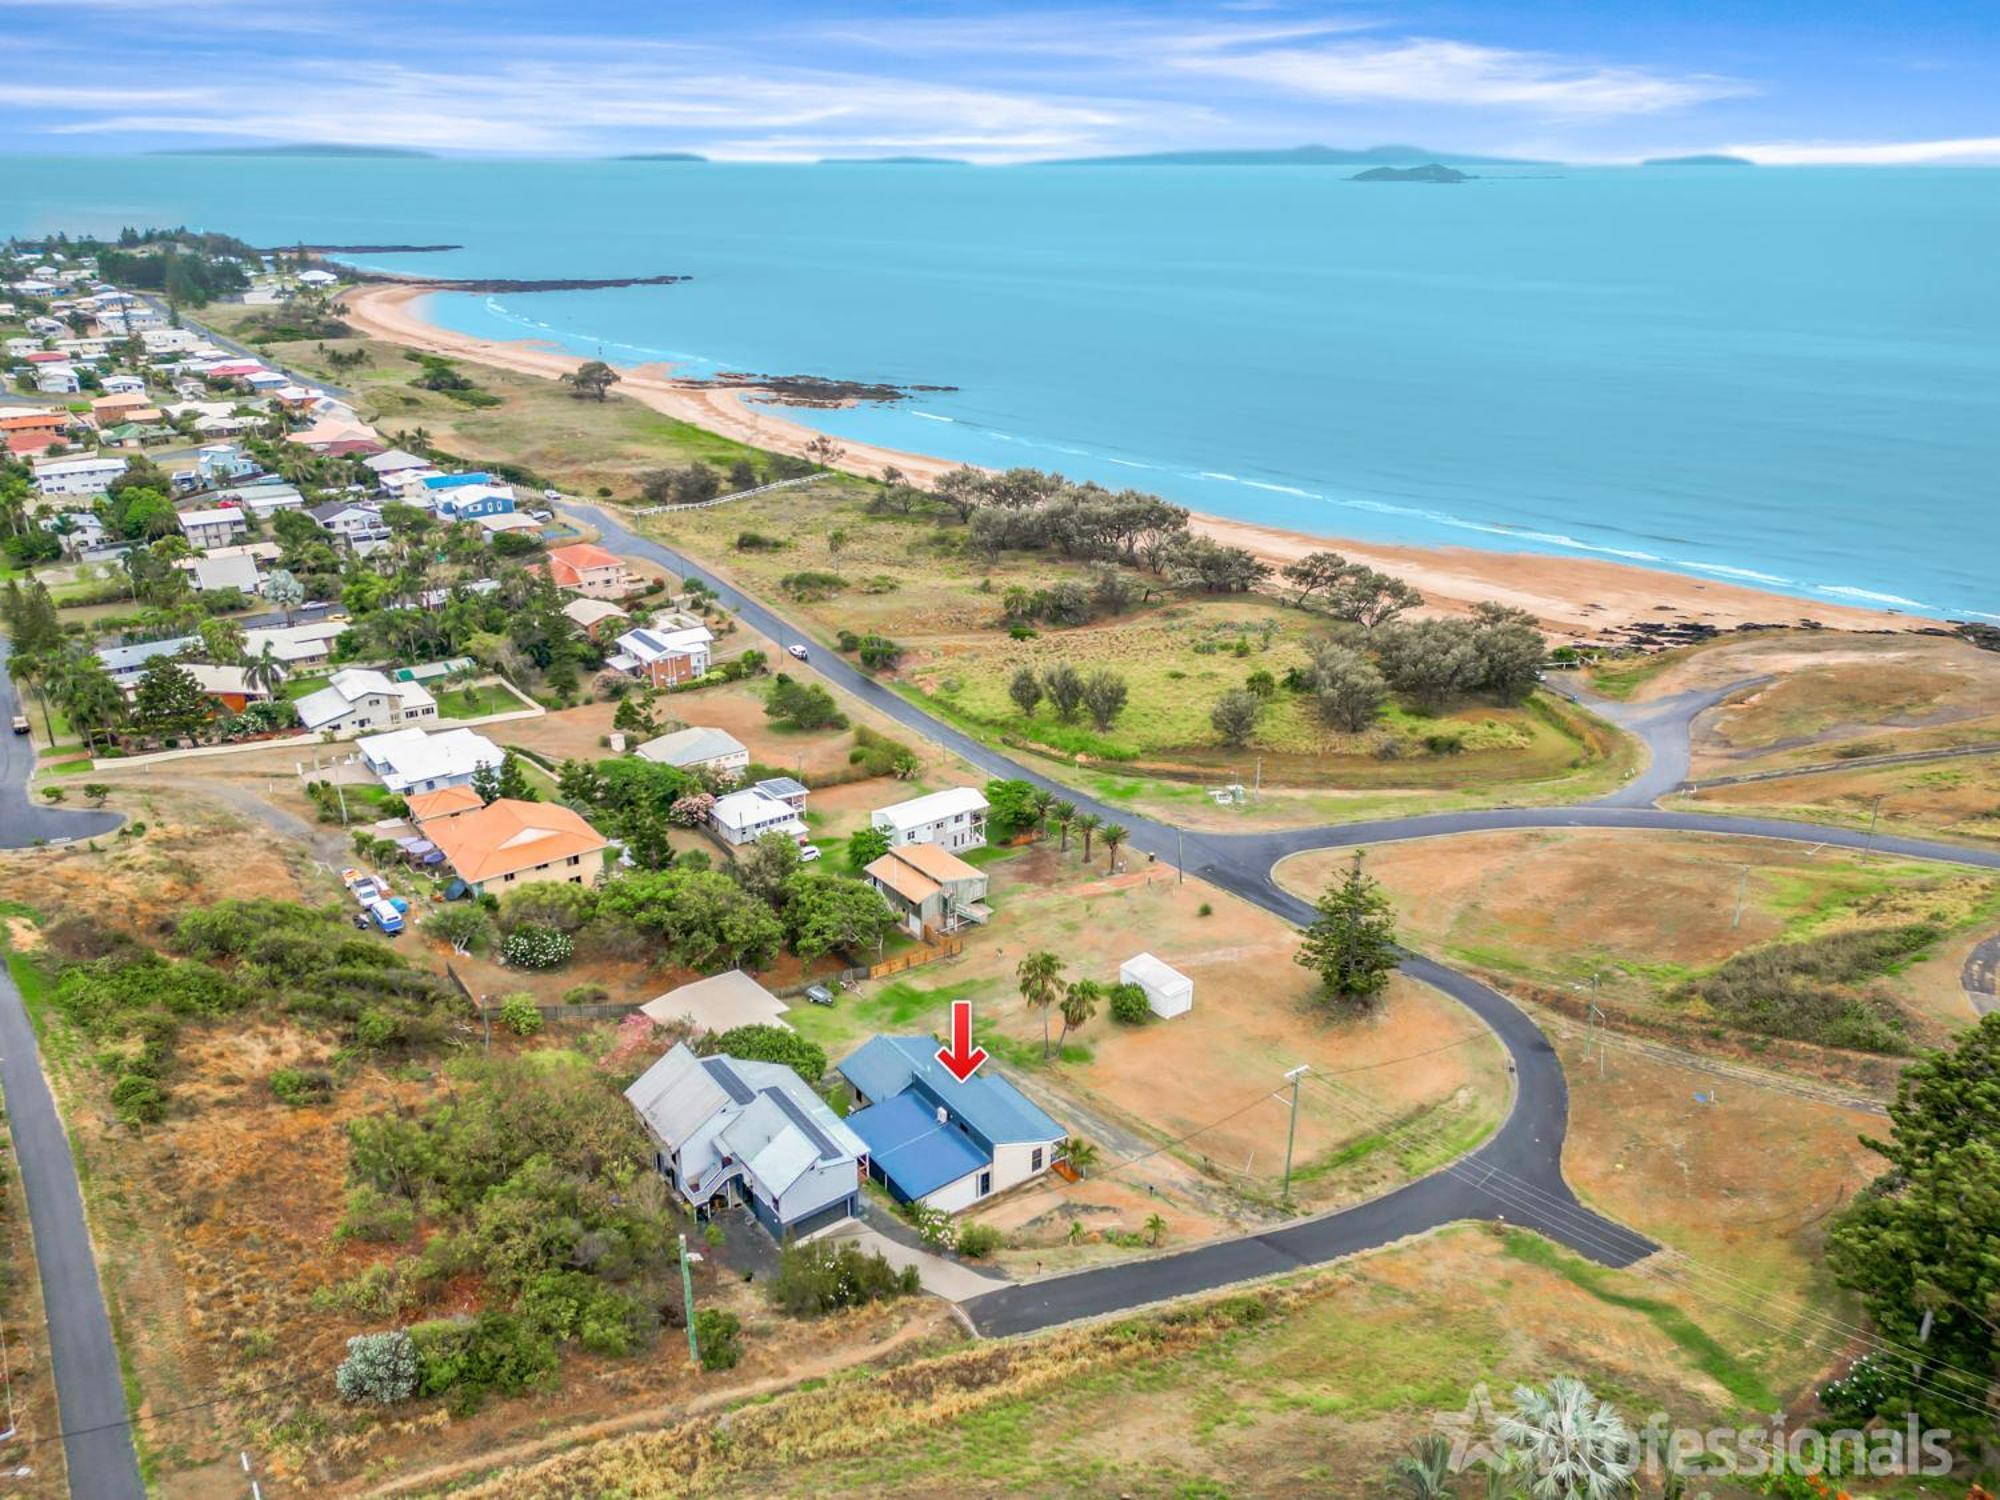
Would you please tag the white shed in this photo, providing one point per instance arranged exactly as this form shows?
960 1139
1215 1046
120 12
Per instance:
1168 990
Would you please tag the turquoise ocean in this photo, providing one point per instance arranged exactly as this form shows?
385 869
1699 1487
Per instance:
1787 378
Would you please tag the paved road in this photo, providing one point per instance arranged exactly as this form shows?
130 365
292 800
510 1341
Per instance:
22 822
1517 1174
90 1394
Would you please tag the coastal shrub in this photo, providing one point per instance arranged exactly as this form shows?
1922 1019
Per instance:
878 652
1234 716
380 1367
519 1015
586 994
572 1305
536 947
1129 1005
879 755
1815 990
301 1086
466 1361
138 1100
375 1216
775 1044
757 541
718 1335
977 1241
802 705
812 584
821 1277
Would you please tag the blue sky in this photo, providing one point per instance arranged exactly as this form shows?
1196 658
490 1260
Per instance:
1808 81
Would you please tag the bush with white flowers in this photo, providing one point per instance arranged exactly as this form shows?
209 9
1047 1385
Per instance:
380 1367
531 946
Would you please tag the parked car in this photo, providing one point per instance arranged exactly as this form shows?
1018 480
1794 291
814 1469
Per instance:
20 723
386 917
819 994
808 853
797 650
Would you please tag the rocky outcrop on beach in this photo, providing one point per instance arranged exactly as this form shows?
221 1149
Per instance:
819 390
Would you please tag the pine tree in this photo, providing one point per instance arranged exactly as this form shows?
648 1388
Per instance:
1351 945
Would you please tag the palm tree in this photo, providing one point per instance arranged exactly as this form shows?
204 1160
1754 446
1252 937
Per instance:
1040 805
1424 1473
1040 976
1079 1004
1064 814
1087 824
1113 835
1571 1445
1500 1479
264 671
1155 1228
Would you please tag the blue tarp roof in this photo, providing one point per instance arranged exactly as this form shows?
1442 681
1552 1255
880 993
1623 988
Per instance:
885 1066
913 1151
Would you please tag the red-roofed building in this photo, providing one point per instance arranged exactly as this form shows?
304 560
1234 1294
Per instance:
591 571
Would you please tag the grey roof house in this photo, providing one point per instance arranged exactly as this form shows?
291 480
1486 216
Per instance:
727 1130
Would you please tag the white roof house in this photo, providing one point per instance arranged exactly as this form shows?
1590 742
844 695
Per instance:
208 528
1168 990
409 760
689 749
77 476
745 816
588 614
236 571
953 819
755 1133
296 645
663 657
357 698
395 461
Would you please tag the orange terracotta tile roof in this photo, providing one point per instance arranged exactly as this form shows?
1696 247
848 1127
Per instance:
443 802
940 865
916 872
508 836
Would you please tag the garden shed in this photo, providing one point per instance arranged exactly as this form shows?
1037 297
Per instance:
1168 990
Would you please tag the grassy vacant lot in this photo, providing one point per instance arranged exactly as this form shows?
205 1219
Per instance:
908 578
578 446
1426 1081
1311 1386
1642 915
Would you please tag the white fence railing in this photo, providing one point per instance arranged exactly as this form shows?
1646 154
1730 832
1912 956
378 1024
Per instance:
776 484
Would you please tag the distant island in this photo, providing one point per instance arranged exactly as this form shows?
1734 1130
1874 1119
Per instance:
660 156
1429 172
892 161
1302 156
303 148
1700 159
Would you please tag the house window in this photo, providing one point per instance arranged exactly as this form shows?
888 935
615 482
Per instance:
574 859
985 1183
1035 1160
508 876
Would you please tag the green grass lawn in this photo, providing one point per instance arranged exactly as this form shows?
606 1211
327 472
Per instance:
482 699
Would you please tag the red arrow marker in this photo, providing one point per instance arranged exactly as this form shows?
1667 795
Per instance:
961 1056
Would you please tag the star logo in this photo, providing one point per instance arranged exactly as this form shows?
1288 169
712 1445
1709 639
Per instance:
1470 1431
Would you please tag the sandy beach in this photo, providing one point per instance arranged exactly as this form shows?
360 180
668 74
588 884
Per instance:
1578 597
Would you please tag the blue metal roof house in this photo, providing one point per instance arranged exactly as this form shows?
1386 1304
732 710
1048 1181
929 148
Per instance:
729 1130
934 1140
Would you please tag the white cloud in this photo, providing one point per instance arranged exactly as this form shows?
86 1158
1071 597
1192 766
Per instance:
1431 71
1972 151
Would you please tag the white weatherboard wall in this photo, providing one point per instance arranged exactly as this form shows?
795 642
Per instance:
1168 991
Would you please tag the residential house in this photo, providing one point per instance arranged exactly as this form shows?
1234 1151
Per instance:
218 463
697 749
590 615
410 760
124 385
77 476
728 1130
81 531
57 380
952 819
227 568
590 570
337 436
27 432
297 646
663 657
268 382
494 525
721 1002
169 340
266 500
360 528
935 1140
395 462
509 843
785 789
317 278
125 663
446 802
213 528
357 698
227 686
743 817
929 889
470 502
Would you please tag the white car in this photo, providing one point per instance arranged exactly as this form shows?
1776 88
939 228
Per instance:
808 853
797 650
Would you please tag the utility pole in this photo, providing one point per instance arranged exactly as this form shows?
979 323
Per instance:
1874 817
1257 781
1593 1038
1180 859
687 1302
1742 887
1292 1131
340 791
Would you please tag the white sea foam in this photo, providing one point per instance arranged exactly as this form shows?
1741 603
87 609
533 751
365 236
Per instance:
1723 570
1894 601
1284 489
931 416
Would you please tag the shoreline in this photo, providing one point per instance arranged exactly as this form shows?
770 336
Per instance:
1585 599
